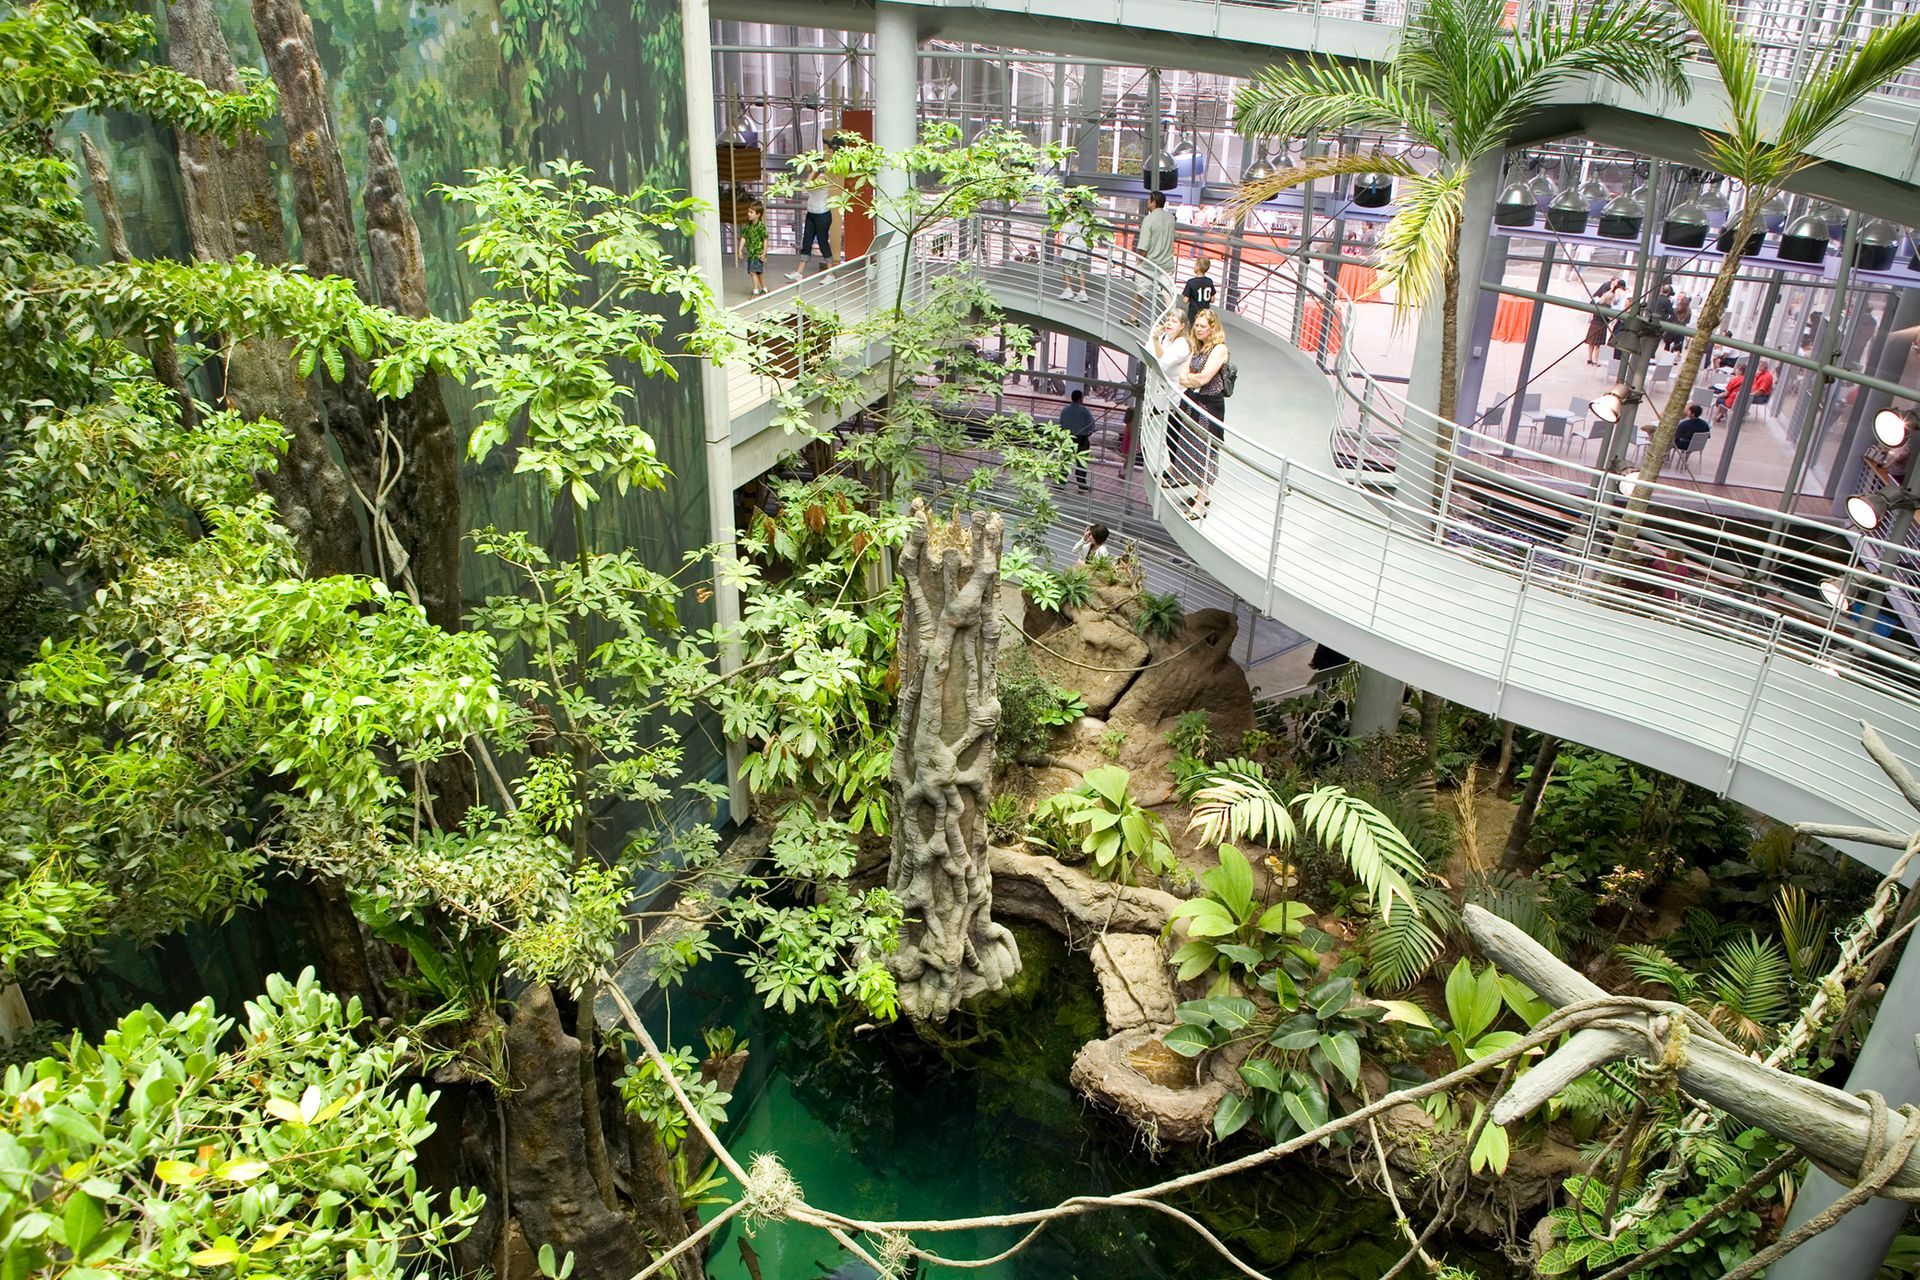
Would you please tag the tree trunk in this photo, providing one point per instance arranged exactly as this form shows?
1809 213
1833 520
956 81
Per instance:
1686 375
555 1198
233 207
1543 759
160 349
1503 768
425 508
950 950
656 1198
1430 729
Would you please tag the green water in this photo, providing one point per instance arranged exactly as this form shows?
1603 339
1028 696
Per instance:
880 1123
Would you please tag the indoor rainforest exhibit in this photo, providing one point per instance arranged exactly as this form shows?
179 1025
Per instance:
734 640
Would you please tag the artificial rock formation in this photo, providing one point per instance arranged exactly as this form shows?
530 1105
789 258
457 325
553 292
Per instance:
950 950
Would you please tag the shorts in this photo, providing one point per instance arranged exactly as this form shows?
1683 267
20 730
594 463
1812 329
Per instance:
756 266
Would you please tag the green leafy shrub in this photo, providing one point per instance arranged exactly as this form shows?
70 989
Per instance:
1228 926
1032 708
1059 589
1192 734
1112 743
1601 813
1160 615
1747 989
1006 819
1102 818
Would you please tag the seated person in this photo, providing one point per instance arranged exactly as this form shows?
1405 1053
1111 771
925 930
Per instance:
1762 384
1694 424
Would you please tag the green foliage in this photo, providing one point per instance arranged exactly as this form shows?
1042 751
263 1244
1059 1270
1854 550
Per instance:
1006 819
1401 947
1583 1244
1227 927
1600 814
1192 734
1306 1051
1746 992
1109 825
173 1145
1160 615
1058 590
1112 742
1032 709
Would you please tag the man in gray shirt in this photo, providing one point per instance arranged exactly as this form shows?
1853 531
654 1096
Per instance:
1155 242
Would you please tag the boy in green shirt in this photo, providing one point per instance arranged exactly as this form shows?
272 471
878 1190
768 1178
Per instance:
751 243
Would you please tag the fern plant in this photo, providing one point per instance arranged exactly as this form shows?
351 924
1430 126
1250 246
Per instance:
1160 615
1746 990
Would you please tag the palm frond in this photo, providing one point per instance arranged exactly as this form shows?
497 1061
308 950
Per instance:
1402 948
1803 930
1734 58
1750 987
1374 849
1413 250
1651 964
1239 803
1327 97
1519 901
1824 98
1253 194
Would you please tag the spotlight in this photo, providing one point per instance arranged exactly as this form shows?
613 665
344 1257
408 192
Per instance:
1867 510
1890 427
1833 592
1628 482
1611 405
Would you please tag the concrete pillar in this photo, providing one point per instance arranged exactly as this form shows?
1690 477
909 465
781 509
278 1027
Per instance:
696 41
1477 336
896 113
1889 1063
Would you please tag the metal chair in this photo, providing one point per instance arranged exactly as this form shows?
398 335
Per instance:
1530 412
1554 427
1696 447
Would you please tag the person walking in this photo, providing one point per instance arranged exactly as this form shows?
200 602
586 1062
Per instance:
1077 421
1076 251
751 244
1155 244
1205 382
1199 290
1682 314
818 224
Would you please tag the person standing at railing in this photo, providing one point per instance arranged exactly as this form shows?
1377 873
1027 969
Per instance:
1200 288
1205 405
1077 421
1076 251
817 227
1155 244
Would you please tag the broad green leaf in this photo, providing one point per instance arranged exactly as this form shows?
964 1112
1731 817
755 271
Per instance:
1405 1011
1188 1041
1284 919
1331 996
1232 1115
1344 1052
1232 882
1308 1107
1261 1073
1110 782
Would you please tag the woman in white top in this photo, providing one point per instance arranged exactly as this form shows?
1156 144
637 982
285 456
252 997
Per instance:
1076 251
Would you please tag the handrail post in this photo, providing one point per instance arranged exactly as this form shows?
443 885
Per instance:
1446 485
1273 544
1513 630
1753 703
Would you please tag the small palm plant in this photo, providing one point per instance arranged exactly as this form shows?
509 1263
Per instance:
1761 148
1461 84
1746 992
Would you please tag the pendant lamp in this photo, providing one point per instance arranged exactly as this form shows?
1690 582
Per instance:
1262 167
1774 213
1622 218
1876 246
1373 191
1755 242
1568 212
1685 227
1716 204
1806 240
1913 241
1596 194
1515 207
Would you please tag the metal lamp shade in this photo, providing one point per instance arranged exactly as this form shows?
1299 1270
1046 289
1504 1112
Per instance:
1755 242
1515 207
1773 214
1806 240
1686 227
1160 173
1596 194
1373 191
1622 218
1877 245
1568 212
1913 240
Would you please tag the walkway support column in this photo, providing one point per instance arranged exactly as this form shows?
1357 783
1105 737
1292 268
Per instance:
696 52
896 114
1889 1064
1376 706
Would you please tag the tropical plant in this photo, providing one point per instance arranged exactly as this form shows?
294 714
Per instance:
173 1145
1109 825
1462 81
1227 926
1305 1051
1160 615
1746 992
1765 144
1060 589
1006 818
1238 802
1476 1003
1192 734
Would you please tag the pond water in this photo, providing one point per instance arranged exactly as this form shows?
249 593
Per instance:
883 1123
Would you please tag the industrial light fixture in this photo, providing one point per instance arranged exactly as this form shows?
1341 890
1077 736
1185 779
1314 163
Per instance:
1515 207
1628 482
1622 216
1612 404
1568 212
1834 592
1262 167
1876 246
1869 510
1159 173
1890 426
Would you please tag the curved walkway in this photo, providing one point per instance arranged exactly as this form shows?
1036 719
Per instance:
1506 601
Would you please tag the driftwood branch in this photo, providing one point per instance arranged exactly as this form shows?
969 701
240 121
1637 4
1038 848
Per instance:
1831 1126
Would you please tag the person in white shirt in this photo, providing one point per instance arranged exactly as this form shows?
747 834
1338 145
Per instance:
1076 251
818 226
1092 543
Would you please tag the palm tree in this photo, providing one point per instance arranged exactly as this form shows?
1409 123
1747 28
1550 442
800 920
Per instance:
1762 148
1462 82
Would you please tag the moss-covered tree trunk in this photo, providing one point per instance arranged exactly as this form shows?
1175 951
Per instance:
951 949
1522 829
